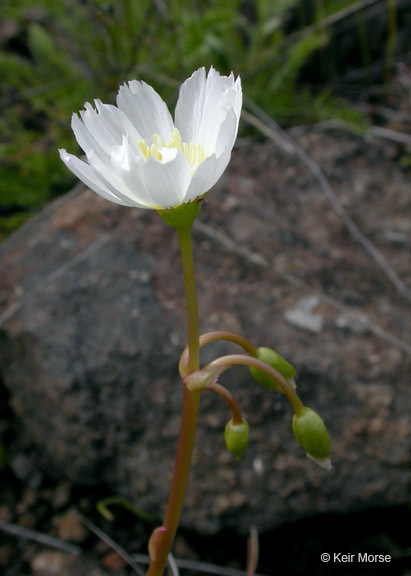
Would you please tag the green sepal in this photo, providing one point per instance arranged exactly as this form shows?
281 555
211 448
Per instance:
237 437
312 435
181 217
277 362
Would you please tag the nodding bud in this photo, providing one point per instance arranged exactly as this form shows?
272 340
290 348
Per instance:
277 362
237 437
311 434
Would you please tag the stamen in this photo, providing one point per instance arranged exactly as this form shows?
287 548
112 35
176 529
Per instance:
194 153
176 139
144 148
154 152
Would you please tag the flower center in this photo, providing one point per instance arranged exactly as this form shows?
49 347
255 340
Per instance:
194 153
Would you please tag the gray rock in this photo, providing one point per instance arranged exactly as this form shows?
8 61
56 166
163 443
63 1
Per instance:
93 322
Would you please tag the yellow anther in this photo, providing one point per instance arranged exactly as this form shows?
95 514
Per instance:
194 153
144 148
155 153
176 140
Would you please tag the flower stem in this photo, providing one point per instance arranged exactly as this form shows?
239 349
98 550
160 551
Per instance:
162 538
184 236
231 401
229 337
244 360
212 337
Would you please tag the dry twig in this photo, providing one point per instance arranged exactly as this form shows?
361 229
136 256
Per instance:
195 566
252 551
172 566
39 537
113 545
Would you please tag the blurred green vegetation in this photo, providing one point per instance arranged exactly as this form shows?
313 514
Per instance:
56 55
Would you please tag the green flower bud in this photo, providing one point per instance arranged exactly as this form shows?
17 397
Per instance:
237 437
277 362
311 434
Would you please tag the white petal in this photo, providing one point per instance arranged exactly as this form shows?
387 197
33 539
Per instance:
221 97
203 105
85 139
214 118
207 174
167 181
108 126
129 168
190 104
110 173
226 135
107 179
89 176
146 110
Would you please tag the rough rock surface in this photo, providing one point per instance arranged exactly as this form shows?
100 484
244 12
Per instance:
93 321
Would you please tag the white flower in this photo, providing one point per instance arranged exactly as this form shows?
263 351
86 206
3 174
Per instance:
136 154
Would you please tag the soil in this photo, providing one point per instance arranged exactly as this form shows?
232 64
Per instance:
292 550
